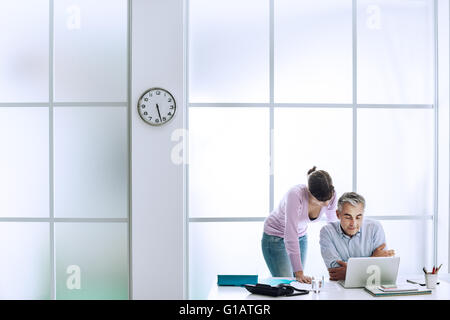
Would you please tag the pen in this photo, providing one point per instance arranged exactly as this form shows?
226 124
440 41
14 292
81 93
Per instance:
434 270
438 268
424 270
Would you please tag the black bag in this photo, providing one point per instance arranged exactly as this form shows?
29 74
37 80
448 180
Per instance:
282 289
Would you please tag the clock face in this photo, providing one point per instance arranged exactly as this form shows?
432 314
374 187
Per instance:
156 106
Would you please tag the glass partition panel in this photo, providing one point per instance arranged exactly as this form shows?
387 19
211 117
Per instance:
223 248
309 137
90 50
396 161
91 162
228 57
25 255
24 168
313 51
395 51
315 267
228 162
412 241
91 261
24 54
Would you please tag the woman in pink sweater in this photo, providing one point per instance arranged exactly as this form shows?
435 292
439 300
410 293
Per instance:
284 241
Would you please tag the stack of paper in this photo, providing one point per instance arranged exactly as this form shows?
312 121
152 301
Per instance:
301 286
399 290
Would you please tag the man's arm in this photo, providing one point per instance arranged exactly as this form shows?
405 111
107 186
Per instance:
338 273
328 250
381 252
379 242
336 267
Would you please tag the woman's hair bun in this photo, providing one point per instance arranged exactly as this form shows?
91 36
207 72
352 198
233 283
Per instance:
311 170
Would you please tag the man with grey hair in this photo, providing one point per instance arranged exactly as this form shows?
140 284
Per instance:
351 236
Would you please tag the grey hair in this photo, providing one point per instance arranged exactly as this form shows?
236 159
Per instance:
351 197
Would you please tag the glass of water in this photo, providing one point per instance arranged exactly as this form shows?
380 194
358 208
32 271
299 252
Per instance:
317 283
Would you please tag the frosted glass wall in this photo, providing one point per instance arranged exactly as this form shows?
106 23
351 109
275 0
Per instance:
90 162
395 51
230 60
287 85
24 162
91 261
227 163
93 37
313 67
25 255
239 242
64 149
299 145
24 61
402 142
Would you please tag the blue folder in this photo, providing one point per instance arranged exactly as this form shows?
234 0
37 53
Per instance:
236 280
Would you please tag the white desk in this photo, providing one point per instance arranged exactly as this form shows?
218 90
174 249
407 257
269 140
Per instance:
334 291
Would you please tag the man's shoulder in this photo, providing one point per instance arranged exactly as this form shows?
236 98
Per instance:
331 227
372 224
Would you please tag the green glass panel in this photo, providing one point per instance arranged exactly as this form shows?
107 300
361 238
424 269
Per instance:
25 260
91 261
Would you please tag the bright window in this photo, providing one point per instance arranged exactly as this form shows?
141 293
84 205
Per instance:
286 85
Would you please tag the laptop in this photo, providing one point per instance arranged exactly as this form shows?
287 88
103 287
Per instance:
360 269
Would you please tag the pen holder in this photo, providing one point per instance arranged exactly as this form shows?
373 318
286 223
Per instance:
431 280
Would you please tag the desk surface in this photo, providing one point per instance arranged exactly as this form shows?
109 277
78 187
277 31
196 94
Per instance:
334 291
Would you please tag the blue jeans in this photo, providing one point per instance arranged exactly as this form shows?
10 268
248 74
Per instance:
276 256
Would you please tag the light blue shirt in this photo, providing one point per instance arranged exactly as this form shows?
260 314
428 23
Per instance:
336 245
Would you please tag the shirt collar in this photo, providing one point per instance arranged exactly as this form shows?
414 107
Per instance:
343 235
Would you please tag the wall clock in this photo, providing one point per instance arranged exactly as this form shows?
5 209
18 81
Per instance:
156 106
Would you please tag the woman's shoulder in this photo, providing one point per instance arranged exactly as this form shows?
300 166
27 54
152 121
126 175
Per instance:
298 188
298 191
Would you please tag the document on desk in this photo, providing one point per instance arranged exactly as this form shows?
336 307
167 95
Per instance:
376 292
301 286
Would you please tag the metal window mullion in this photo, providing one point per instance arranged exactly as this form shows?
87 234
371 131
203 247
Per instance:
91 104
226 105
51 153
62 104
186 156
310 105
129 132
395 106
436 133
271 102
354 96
65 220
261 219
24 104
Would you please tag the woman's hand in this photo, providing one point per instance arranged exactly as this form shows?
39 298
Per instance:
300 277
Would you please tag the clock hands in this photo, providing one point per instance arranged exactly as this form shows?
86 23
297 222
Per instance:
157 108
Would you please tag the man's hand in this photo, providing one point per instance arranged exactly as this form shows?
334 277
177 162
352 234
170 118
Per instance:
300 277
380 252
339 272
